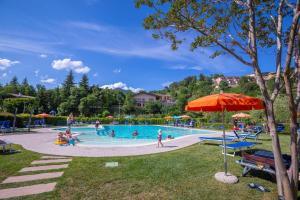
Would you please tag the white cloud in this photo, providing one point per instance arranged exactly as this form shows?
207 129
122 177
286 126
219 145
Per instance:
43 56
95 74
117 71
185 67
178 67
48 80
68 64
166 84
36 72
87 26
6 63
122 86
198 68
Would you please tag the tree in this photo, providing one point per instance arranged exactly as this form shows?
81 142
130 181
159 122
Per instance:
224 86
248 86
88 105
84 86
14 85
55 99
11 104
129 104
42 99
240 29
26 89
153 107
67 85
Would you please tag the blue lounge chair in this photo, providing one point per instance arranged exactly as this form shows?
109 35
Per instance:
237 147
43 123
216 139
280 128
243 136
5 127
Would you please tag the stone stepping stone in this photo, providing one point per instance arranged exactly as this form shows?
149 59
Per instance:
50 161
24 178
54 157
26 190
44 167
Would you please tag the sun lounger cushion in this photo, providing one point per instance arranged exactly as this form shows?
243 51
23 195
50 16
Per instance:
240 145
215 139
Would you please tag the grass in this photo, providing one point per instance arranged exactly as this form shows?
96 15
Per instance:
182 174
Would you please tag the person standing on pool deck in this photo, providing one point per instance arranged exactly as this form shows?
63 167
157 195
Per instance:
159 138
70 120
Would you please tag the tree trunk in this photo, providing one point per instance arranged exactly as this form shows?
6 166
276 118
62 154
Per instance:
281 175
293 170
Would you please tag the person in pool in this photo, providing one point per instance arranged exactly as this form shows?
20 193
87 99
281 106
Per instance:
113 133
97 124
170 137
159 138
135 134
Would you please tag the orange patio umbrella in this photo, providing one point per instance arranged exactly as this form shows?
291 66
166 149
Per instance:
42 115
241 115
185 116
168 117
225 102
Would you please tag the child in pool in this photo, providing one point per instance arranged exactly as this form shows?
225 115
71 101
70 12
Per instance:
112 133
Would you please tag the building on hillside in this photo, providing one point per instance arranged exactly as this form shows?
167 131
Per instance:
142 98
231 80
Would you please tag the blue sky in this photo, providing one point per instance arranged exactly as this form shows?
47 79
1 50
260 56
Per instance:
42 40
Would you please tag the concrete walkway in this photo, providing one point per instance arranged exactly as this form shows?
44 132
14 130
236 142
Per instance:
43 142
26 190
37 188
24 178
43 168
37 162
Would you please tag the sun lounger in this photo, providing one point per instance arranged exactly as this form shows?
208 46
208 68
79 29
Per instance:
248 135
215 139
4 144
261 160
5 126
237 147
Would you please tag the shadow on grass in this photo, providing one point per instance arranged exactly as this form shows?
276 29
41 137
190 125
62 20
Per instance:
8 152
169 146
210 144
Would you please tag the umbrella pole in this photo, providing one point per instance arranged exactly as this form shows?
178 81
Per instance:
224 144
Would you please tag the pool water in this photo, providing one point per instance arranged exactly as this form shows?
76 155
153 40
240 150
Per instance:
89 136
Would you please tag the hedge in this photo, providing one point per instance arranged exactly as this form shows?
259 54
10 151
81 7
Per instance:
22 121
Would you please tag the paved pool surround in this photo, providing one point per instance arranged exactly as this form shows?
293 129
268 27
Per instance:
42 141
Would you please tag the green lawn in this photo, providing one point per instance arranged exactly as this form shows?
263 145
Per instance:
183 174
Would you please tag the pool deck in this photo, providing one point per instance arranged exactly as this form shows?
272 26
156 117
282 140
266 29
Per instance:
42 141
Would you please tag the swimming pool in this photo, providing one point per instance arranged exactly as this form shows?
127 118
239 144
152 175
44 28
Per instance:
147 134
